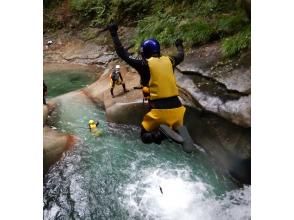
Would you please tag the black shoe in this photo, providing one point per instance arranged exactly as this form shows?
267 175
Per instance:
170 134
157 137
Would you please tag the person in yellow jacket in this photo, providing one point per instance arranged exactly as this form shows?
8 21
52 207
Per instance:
157 76
166 110
93 127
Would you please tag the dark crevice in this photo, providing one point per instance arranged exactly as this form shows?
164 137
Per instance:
213 87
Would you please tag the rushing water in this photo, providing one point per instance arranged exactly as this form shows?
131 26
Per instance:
115 176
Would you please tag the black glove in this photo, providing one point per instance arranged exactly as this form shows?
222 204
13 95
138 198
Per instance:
112 28
179 42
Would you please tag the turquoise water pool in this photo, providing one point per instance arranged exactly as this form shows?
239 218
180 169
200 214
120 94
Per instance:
116 176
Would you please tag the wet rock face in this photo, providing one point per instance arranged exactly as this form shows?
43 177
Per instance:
228 144
76 51
201 60
235 74
220 87
230 106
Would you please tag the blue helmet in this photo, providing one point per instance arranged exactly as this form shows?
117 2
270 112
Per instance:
150 47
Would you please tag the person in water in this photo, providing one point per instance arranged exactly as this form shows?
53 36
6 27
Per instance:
116 79
157 77
93 127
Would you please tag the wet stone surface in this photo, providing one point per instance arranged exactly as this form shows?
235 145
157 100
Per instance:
216 99
206 61
213 88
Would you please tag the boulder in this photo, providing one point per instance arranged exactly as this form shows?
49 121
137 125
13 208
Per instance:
207 61
227 144
200 60
54 144
126 113
215 85
235 109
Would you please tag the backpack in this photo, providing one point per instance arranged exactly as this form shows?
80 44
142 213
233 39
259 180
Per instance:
115 75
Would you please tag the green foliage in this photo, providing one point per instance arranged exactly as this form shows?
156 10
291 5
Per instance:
51 3
128 9
236 43
94 10
166 29
195 32
195 21
103 11
160 26
205 7
231 23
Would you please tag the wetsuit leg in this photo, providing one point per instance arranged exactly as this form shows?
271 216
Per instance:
124 87
149 137
112 87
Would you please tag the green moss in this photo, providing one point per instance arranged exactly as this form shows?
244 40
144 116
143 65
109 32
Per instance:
236 43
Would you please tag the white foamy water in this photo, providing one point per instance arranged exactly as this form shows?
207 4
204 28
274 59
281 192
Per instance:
182 198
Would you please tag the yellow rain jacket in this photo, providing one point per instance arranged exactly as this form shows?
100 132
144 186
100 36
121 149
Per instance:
162 85
162 82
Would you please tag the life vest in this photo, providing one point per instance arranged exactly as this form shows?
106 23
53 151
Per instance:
94 130
115 75
92 126
162 83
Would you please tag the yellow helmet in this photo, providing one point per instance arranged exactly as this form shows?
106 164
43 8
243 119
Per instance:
91 122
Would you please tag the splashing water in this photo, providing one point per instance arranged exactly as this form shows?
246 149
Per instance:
183 197
115 176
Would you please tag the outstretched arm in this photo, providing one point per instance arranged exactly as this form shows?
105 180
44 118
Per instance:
120 50
138 63
179 57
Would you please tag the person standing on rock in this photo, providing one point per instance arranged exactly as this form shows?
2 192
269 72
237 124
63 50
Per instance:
157 76
116 79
